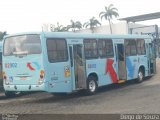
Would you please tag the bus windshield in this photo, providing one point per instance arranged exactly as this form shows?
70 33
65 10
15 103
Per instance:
22 45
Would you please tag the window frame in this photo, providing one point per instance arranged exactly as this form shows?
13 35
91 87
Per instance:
130 53
144 46
91 39
4 54
106 40
55 40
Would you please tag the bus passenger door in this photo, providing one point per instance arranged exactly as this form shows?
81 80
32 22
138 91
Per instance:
120 57
151 60
78 66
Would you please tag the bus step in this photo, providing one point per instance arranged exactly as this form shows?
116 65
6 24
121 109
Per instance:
121 81
79 88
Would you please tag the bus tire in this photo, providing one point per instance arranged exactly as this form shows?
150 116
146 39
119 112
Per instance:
140 76
10 94
91 85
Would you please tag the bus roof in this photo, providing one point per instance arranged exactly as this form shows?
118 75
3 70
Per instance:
91 35
83 35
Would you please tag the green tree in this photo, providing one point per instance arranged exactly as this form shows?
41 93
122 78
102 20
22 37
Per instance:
108 14
93 22
58 28
2 34
74 26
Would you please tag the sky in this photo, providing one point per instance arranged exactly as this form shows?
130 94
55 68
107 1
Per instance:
29 15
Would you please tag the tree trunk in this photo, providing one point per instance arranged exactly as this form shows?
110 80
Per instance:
92 29
74 29
110 26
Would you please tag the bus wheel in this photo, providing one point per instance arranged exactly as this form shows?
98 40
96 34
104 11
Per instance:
140 76
91 85
11 94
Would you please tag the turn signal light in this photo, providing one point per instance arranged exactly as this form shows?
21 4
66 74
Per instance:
41 80
4 76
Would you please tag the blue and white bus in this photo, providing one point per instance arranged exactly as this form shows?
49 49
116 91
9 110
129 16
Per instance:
66 62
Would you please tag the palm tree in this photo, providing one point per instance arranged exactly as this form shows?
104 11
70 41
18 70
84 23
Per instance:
108 14
2 34
75 25
58 28
93 22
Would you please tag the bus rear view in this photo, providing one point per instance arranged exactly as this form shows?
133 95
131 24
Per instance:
22 63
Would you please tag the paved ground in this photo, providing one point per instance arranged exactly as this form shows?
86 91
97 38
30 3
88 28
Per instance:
125 98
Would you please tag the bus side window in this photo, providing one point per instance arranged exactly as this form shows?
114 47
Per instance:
105 48
141 46
130 47
57 50
90 47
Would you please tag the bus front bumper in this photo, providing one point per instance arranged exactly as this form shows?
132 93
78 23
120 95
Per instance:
24 87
